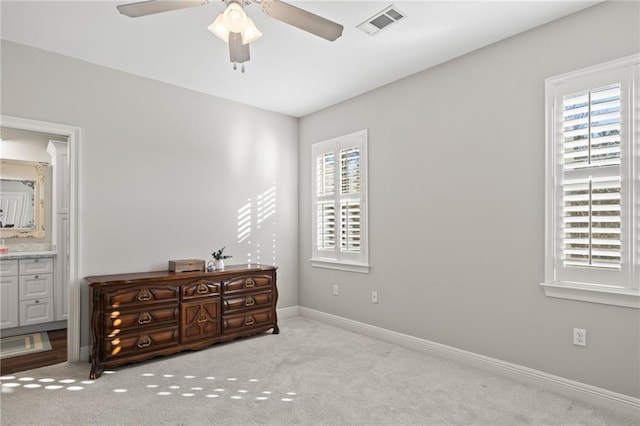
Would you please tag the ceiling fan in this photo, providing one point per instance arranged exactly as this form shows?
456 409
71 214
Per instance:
233 25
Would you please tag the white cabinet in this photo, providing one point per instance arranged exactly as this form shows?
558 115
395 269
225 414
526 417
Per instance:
27 292
58 151
8 293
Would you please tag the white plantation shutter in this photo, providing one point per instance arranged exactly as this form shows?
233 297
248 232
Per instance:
591 223
593 185
326 229
339 188
325 204
591 126
350 226
350 199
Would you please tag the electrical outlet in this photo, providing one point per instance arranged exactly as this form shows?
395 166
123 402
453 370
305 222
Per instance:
335 289
579 337
374 297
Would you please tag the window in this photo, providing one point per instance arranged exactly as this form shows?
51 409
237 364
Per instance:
339 195
593 184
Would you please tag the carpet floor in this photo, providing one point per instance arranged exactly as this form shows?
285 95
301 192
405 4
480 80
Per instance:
309 374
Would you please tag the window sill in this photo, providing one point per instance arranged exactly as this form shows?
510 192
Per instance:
604 295
341 266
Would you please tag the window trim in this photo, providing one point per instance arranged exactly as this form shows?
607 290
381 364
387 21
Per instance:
348 264
618 296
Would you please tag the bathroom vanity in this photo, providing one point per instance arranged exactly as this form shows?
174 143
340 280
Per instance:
27 289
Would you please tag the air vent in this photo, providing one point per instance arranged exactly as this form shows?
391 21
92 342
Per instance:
381 20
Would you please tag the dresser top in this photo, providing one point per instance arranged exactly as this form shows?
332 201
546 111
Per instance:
100 280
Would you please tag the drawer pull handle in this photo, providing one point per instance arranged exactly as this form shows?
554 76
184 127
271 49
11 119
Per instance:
144 342
202 289
202 318
249 301
36 260
37 277
144 318
144 295
249 283
249 321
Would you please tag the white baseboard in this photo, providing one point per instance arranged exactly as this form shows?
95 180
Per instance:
290 312
84 353
623 404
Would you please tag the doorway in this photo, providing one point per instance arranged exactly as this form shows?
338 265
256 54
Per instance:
71 134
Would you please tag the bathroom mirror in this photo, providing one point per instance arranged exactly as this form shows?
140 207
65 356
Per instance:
21 199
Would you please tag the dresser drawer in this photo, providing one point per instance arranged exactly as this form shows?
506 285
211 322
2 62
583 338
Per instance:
128 321
247 283
140 296
36 266
200 288
237 323
249 301
35 286
132 344
8 267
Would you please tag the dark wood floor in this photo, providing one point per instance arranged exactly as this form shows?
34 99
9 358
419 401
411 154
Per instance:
56 355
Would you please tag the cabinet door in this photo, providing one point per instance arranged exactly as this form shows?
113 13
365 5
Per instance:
199 320
8 301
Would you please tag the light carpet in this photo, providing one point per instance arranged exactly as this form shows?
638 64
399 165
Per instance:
309 374
24 344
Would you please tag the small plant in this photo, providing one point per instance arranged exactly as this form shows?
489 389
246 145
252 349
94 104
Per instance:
217 255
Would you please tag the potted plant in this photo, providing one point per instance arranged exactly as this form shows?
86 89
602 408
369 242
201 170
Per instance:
218 258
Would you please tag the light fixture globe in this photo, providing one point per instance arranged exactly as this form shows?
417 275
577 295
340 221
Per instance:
219 29
235 18
251 33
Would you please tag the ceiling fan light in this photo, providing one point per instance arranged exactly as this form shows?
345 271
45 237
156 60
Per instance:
251 33
235 18
219 28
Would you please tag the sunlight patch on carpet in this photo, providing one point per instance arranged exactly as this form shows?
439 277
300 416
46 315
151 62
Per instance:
184 386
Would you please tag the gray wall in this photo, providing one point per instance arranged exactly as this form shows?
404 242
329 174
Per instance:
163 171
456 199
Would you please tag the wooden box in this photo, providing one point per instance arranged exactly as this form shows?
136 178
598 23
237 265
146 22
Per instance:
186 265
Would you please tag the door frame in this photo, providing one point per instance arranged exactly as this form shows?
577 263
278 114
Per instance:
72 133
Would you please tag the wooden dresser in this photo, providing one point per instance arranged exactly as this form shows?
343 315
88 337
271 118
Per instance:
138 316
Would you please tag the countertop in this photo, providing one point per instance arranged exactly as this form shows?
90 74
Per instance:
27 255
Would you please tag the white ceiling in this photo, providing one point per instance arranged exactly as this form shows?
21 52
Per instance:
291 72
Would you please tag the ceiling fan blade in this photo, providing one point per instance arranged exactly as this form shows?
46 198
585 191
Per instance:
149 7
302 19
